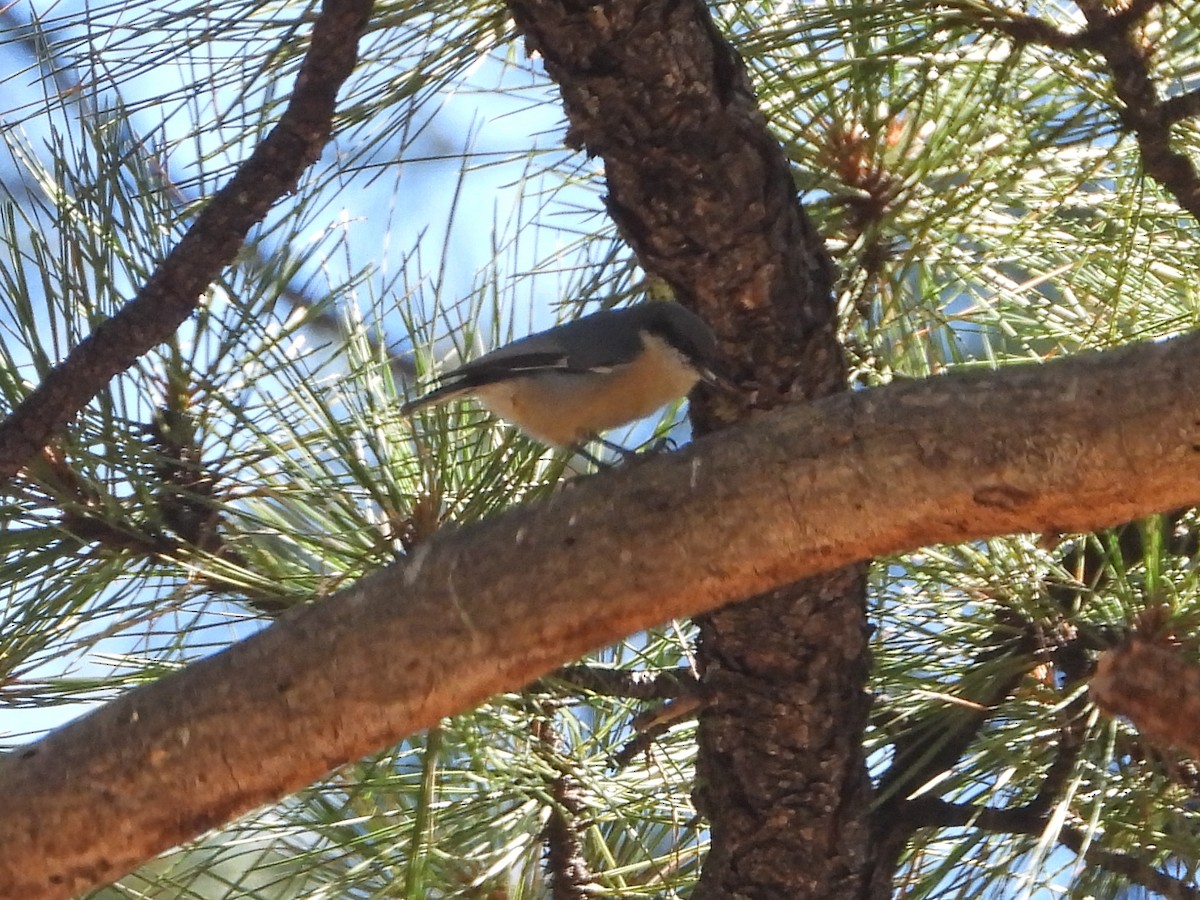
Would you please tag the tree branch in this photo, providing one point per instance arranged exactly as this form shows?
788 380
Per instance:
923 753
1110 33
212 242
649 726
934 813
1182 106
1072 445
1021 27
656 684
567 867
926 750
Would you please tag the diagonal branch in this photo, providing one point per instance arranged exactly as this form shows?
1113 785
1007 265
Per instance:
1182 106
934 813
919 757
1021 27
1111 34
174 290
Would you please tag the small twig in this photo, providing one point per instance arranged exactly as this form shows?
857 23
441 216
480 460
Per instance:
914 765
653 724
566 868
661 684
1022 28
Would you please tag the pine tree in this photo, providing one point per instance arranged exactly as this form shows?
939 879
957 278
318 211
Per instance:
233 238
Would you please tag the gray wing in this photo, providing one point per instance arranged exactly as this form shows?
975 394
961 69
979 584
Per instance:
594 343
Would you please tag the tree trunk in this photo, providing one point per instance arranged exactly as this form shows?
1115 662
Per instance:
703 193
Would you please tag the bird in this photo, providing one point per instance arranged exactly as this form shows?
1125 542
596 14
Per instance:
568 384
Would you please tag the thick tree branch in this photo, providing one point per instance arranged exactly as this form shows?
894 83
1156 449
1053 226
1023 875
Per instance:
1072 445
173 291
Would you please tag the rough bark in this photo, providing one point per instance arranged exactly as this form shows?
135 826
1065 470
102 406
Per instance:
1073 445
703 193
781 772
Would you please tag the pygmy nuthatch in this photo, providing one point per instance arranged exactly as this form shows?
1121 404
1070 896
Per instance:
565 385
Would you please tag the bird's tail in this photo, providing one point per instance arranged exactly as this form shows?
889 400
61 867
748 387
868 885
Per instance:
443 394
